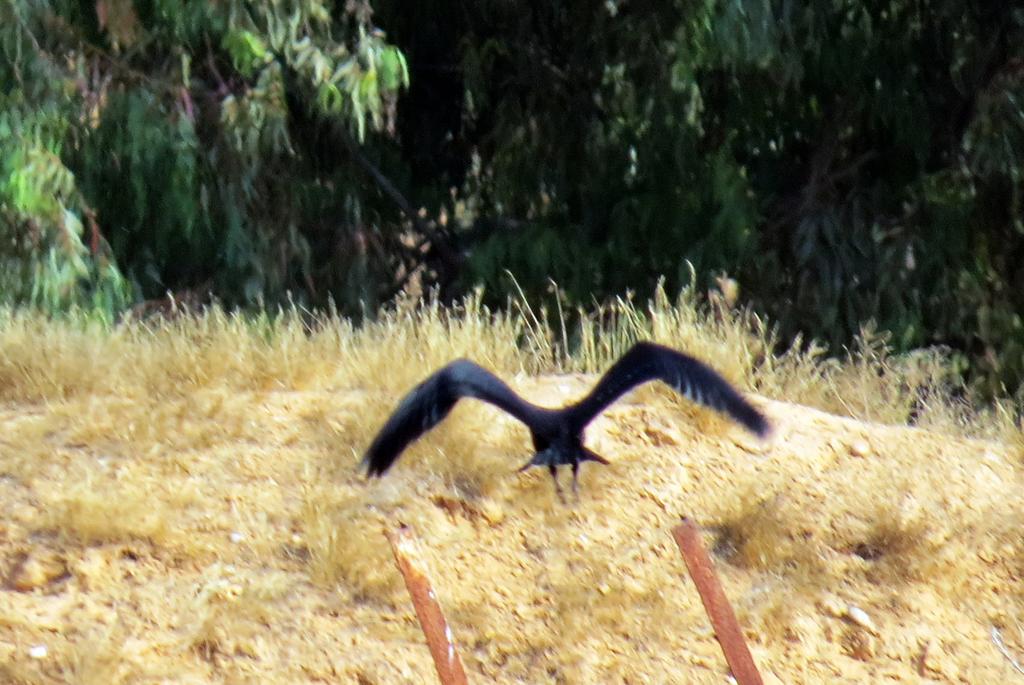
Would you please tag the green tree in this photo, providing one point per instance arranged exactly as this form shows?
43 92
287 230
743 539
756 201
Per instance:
845 161
148 146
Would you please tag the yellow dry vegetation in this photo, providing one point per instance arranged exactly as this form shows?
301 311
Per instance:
183 505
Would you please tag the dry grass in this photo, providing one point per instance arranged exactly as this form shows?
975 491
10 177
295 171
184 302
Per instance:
184 504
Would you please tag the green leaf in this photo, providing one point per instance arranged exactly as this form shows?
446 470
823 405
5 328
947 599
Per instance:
247 51
392 69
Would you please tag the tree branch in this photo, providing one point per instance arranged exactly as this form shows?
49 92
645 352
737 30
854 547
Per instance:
438 242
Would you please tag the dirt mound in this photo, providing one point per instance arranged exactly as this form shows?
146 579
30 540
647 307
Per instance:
227 537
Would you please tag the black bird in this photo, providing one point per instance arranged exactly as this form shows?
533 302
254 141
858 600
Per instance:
557 433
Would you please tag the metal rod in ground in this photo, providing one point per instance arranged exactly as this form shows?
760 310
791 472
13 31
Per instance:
716 604
428 611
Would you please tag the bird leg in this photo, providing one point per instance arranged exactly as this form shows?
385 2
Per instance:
558 487
585 455
553 458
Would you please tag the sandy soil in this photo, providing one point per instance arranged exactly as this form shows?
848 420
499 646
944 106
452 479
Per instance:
228 538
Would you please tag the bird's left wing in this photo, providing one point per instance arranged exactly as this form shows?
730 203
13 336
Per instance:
430 401
693 379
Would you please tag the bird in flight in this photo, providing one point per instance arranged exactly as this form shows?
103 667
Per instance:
557 433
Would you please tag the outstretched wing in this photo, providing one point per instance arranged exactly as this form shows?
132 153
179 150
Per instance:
693 379
430 401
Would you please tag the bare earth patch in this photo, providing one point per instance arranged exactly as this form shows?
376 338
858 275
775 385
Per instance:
225 535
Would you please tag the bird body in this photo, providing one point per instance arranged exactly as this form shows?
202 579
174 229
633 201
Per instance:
557 433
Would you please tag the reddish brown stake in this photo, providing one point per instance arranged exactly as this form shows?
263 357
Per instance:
435 628
716 604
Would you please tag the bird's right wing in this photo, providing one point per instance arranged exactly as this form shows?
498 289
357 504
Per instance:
690 377
430 401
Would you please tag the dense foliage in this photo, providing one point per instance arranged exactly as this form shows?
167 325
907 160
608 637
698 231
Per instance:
843 161
149 146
